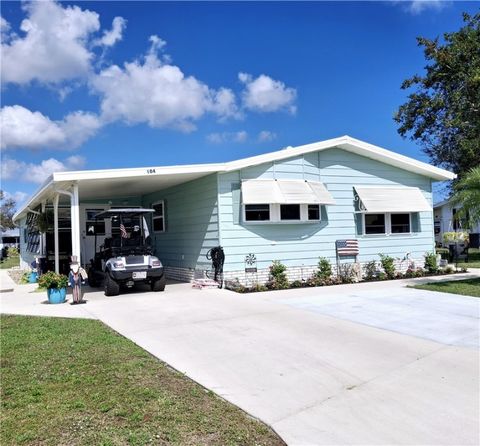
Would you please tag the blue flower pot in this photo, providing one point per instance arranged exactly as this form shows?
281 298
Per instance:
33 277
56 295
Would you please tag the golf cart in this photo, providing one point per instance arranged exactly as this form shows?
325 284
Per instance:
126 258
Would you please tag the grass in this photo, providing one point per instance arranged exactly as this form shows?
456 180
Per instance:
9 262
468 287
76 382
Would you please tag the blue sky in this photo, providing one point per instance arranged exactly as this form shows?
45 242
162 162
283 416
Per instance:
95 85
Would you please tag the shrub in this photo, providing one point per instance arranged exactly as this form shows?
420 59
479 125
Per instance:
296 284
235 285
52 280
258 287
411 271
388 265
347 273
324 272
25 277
12 251
448 270
278 277
431 263
370 270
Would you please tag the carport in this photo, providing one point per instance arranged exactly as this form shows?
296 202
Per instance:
119 186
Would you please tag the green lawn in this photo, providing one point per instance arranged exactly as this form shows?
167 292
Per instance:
76 382
9 262
468 287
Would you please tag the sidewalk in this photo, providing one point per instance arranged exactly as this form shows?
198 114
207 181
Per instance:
6 282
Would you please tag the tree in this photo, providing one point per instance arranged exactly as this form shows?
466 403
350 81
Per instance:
7 210
443 113
467 195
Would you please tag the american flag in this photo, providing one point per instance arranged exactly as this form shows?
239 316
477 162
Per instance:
123 231
347 247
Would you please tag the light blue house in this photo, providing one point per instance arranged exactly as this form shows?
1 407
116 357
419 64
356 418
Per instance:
291 205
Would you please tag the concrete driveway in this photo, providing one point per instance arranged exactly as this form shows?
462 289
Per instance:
371 363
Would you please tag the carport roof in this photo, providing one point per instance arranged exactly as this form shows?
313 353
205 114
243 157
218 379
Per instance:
113 183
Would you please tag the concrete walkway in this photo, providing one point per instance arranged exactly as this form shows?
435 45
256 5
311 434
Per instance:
372 363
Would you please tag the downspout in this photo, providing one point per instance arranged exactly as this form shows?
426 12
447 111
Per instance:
74 218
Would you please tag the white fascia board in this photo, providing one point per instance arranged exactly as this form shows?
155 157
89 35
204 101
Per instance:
397 160
351 145
82 175
36 198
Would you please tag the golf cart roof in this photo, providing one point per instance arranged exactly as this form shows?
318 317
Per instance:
125 212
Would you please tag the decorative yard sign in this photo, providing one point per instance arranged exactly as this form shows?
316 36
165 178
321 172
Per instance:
250 263
347 248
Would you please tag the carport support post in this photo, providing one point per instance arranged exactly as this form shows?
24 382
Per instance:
55 232
75 219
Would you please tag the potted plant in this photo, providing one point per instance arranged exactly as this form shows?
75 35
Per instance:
56 286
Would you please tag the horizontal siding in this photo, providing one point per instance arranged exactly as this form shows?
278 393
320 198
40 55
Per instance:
191 223
303 244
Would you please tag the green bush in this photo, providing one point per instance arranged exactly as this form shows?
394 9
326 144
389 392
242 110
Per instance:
12 252
25 277
324 272
388 265
278 277
296 284
431 263
52 280
370 270
448 270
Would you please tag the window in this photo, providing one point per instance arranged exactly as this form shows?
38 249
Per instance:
289 212
158 218
257 212
314 212
375 224
92 226
400 223
281 213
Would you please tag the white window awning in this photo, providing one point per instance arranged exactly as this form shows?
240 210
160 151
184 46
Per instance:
391 199
285 192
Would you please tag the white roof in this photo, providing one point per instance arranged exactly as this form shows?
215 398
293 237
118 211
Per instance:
284 192
392 199
112 183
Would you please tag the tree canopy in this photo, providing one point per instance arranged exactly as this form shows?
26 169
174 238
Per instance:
467 194
7 210
443 113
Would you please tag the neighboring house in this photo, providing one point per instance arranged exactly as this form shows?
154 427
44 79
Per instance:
290 205
446 221
9 238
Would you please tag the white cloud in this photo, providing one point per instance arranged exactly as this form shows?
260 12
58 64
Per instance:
158 93
55 44
114 35
225 137
38 173
17 196
416 7
265 94
266 135
22 128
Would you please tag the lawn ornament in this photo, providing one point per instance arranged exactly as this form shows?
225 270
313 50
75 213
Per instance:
76 279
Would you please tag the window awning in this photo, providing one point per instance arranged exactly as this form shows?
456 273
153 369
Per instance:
285 192
392 199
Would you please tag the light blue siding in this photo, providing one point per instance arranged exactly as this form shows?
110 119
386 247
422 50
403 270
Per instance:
191 223
303 244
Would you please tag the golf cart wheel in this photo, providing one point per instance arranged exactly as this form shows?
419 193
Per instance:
112 288
159 284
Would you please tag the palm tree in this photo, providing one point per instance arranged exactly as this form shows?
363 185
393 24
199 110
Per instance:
467 195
